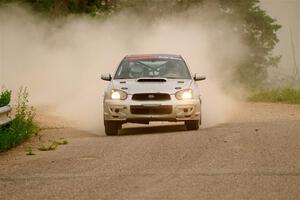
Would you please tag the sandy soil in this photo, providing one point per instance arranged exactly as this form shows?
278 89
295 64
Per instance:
255 156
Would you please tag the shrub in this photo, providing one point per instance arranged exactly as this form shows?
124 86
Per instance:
22 127
5 97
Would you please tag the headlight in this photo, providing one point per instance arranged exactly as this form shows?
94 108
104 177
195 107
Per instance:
184 94
118 95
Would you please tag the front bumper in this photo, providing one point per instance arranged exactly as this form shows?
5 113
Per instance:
182 110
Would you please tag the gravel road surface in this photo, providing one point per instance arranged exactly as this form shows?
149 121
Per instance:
254 156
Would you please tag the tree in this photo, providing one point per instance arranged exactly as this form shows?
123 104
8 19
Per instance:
259 31
57 8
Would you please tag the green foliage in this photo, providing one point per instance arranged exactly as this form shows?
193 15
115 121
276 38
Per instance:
63 142
259 31
22 127
92 7
282 95
29 152
158 8
5 97
42 5
52 146
64 7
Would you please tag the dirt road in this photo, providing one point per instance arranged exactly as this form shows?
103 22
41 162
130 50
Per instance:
256 156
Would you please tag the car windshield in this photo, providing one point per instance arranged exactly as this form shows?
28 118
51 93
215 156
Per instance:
159 68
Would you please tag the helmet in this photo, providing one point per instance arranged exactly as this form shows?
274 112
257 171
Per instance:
135 71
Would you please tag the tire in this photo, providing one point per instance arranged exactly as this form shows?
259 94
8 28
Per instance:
112 128
192 124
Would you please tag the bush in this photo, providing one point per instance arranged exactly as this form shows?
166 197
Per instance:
5 98
283 95
22 127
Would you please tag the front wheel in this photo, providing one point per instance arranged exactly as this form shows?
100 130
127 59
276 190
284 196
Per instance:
112 128
192 124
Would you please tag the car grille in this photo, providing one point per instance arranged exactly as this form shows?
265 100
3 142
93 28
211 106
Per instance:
144 110
151 97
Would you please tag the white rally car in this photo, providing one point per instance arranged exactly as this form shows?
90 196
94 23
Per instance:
148 88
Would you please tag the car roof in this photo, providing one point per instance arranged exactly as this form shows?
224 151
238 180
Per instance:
149 56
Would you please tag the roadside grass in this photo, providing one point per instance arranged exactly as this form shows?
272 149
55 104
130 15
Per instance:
29 152
281 95
52 146
21 127
5 97
64 142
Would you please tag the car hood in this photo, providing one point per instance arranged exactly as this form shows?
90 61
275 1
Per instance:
170 86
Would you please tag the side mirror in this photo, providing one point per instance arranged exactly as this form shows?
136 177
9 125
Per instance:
106 77
199 77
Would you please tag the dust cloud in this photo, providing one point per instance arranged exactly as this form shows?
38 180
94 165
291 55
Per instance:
61 61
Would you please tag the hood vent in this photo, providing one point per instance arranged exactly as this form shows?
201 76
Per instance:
151 80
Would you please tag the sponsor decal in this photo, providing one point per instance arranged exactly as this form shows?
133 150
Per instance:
141 57
168 57
151 57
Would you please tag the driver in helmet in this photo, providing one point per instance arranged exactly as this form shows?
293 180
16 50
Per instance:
135 71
